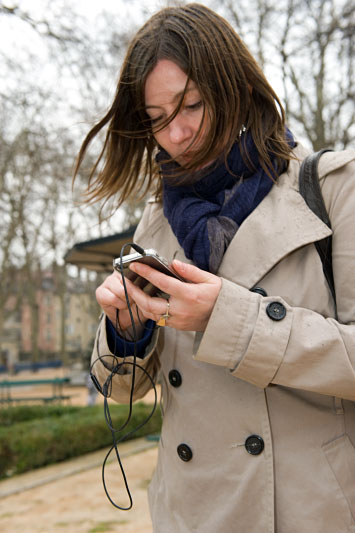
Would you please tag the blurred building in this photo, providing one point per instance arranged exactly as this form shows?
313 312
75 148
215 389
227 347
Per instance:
58 324
53 316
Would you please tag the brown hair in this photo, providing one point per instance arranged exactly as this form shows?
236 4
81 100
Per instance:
234 90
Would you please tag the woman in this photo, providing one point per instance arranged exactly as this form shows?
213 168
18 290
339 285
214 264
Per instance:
258 378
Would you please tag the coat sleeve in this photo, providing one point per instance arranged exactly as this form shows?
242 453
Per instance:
119 384
304 349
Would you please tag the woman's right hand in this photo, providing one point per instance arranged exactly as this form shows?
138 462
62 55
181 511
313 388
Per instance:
110 296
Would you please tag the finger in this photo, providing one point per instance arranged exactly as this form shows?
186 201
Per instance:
106 298
165 283
192 273
114 283
112 278
152 307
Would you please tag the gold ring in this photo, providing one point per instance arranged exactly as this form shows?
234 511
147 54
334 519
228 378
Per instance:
162 320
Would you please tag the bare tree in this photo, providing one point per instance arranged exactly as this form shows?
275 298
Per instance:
306 47
40 131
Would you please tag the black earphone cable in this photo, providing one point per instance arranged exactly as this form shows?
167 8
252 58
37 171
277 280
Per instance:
106 389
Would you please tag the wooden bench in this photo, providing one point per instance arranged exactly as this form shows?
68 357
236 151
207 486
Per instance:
7 385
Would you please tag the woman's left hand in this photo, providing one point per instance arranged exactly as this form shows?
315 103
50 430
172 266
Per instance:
190 303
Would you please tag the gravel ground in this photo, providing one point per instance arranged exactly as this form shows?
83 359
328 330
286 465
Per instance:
77 503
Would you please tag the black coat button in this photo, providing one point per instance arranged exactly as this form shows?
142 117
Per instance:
276 311
175 378
184 452
259 290
254 444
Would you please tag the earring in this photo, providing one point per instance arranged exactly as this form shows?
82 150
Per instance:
244 129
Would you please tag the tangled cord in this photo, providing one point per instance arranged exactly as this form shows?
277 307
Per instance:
117 367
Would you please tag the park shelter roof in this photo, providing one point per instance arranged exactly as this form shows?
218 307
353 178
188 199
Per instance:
98 254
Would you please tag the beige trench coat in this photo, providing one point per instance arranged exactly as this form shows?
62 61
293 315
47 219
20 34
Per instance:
289 381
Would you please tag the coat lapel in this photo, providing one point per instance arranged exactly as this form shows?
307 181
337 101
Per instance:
280 224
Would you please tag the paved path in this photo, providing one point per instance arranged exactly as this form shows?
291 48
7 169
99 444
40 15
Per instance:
69 496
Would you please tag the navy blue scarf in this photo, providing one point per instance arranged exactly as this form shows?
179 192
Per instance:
206 215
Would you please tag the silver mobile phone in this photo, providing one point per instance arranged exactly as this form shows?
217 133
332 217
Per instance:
151 258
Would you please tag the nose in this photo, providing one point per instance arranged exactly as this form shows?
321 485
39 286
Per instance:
179 130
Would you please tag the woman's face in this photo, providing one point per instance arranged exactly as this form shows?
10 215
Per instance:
163 90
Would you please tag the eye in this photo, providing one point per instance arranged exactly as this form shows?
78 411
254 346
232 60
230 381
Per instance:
195 106
156 120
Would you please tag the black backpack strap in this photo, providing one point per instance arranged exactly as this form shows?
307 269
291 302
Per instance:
312 194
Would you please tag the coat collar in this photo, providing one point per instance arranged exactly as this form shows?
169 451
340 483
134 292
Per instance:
279 225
